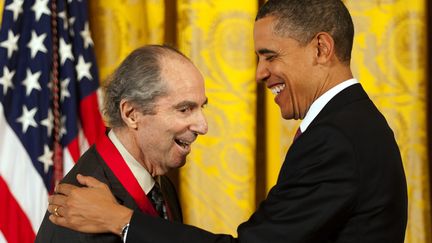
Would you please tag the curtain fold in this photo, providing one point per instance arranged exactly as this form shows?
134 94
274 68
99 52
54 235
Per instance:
120 26
218 182
389 60
1 9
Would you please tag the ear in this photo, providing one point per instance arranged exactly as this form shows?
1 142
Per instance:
129 114
325 47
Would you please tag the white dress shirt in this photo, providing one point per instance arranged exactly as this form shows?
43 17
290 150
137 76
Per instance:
319 103
143 177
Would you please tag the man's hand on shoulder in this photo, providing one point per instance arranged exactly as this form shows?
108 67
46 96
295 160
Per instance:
89 209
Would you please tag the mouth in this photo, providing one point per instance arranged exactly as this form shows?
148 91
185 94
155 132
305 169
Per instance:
276 89
183 144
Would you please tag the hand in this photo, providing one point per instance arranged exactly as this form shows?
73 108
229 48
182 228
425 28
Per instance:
90 209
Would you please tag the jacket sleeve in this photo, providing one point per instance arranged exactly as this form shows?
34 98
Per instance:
312 198
89 164
147 229
314 195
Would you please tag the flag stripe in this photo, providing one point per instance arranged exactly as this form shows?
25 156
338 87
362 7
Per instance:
29 190
73 149
13 223
2 238
26 103
92 123
68 161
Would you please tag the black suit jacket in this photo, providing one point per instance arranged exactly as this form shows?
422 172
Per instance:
92 164
342 181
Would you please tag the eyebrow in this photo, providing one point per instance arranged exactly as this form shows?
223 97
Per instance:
264 51
189 103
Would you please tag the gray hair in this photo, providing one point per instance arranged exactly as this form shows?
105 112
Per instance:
137 80
303 19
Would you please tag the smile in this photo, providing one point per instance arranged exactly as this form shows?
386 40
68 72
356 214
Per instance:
277 89
184 144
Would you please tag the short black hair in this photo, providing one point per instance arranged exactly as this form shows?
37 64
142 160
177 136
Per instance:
303 19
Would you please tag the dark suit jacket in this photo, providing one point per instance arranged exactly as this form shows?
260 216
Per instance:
92 164
342 181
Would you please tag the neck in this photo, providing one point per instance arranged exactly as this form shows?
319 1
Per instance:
336 75
127 139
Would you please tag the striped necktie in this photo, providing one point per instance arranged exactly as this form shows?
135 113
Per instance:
158 201
297 134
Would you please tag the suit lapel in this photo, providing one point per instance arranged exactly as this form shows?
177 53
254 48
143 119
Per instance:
118 190
349 95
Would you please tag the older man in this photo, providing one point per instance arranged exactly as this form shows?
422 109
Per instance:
153 105
342 179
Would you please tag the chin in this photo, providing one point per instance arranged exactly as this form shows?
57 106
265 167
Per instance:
179 164
287 116
290 115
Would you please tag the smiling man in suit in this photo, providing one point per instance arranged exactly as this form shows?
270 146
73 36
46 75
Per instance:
153 105
342 179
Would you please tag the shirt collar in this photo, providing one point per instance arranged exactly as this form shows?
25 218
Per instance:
319 103
143 177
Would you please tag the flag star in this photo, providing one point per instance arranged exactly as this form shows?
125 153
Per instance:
65 51
64 93
6 79
67 22
83 69
36 44
48 122
71 21
63 126
71 24
62 15
86 35
46 158
32 81
16 8
41 7
11 43
50 83
27 118
70 1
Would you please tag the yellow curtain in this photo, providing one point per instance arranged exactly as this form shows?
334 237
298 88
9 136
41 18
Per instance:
120 26
389 60
218 182
217 185
1 10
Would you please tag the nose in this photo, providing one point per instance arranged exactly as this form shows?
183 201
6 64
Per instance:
199 126
262 72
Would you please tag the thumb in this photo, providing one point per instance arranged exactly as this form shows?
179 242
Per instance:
89 181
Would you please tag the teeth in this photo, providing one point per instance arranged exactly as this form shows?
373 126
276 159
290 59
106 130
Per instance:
182 143
277 89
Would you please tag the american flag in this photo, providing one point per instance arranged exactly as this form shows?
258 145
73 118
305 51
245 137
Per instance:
31 31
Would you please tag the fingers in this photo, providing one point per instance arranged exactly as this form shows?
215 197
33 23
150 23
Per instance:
56 210
57 220
89 181
57 199
64 188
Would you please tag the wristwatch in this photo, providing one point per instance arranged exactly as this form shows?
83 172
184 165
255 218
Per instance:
124 231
